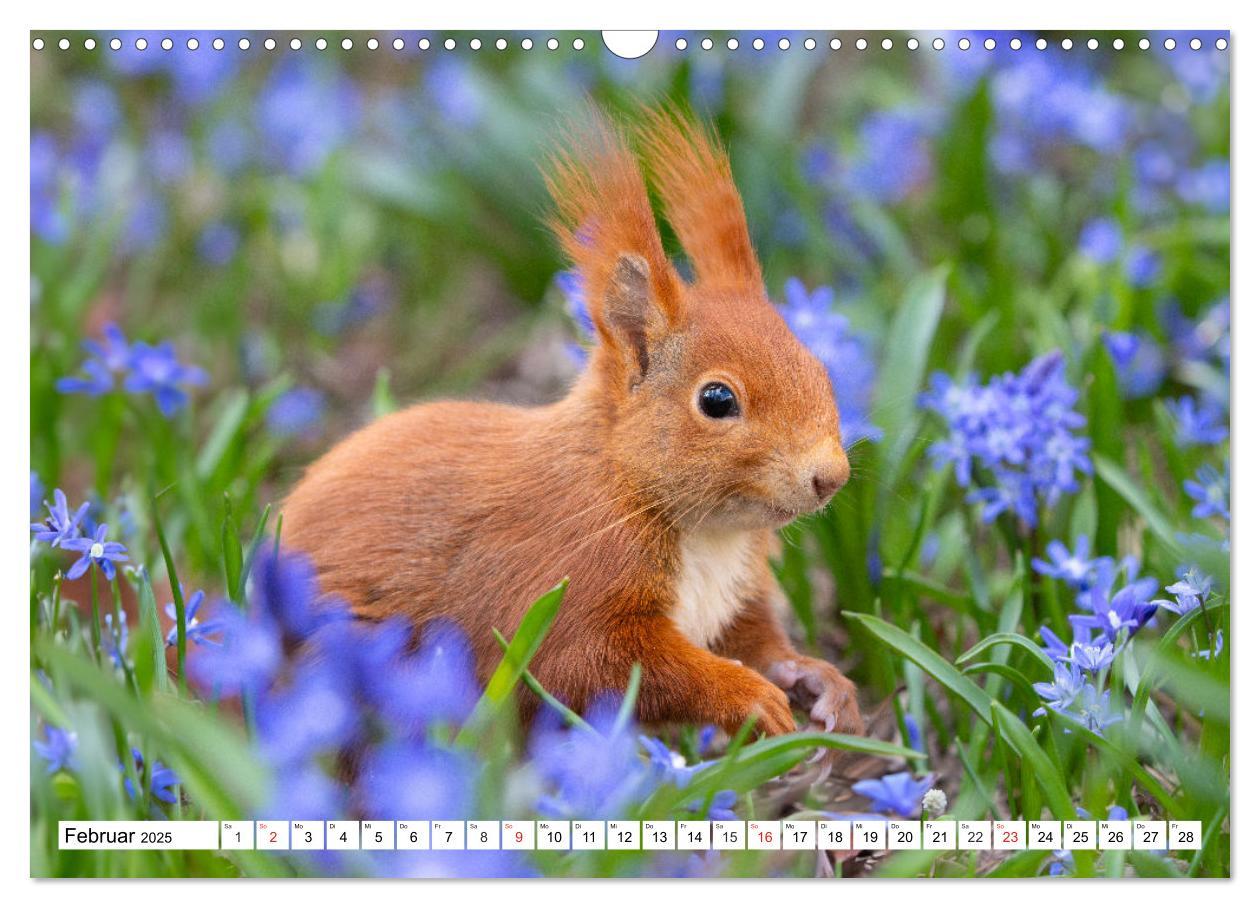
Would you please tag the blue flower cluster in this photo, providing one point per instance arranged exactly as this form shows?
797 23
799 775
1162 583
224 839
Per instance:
63 530
892 157
323 685
143 369
1108 620
1012 441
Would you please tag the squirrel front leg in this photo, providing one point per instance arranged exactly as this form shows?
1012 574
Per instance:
756 638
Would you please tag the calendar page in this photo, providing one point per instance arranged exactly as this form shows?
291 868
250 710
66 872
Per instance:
580 454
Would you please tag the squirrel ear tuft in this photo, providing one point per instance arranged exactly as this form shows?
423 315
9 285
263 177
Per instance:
692 173
605 223
628 307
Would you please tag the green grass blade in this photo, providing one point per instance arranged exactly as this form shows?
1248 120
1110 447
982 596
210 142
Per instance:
150 646
1025 744
909 342
529 636
1008 639
930 661
1123 484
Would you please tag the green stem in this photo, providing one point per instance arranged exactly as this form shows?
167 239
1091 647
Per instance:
96 616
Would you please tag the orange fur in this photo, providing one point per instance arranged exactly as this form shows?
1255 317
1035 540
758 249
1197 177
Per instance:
693 176
469 511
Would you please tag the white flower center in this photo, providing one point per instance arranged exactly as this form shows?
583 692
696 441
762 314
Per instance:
97 550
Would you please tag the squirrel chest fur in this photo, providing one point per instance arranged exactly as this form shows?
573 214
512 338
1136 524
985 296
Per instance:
715 577
698 428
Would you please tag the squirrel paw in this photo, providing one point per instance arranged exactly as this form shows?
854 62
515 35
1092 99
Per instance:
830 697
771 707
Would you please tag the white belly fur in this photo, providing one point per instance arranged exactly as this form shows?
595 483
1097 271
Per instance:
715 573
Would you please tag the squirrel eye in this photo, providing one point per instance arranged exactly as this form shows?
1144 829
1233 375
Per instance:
717 401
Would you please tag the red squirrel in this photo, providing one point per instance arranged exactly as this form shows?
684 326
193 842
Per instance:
699 427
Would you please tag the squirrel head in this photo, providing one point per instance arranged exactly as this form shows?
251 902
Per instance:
711 410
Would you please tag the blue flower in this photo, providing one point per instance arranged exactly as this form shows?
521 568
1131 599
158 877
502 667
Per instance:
57 749
1020 429
845 355
1095 710
1198 424
593 772
1210 492
161 782
1138 360
898 793
313 714
218 243
1142 266
95 549
285 589
574 292
894 157
248 659
195 630
1091 657
157 371
452 84
402 781
1207 186
296 412
435 684
168 156
48 217
115 640
1128 610
1190 592
306 791
37 495
105 360
305 114
1060 651
914 737
1201 72
1061 693
1101 240
1076 567
60 526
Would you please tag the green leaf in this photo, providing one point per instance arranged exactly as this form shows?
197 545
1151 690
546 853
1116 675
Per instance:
545 695
529 636
235 409
233 558
383 402
930 661
1046 773
211 756
177 594
1123 484
1126 761
149 645
237 593
1167 643
906 357
1011 639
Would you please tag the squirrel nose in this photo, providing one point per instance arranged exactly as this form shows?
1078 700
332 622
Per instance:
828 470
826 483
